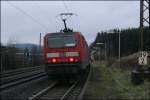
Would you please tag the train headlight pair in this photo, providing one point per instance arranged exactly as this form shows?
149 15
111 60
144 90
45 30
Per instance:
66 56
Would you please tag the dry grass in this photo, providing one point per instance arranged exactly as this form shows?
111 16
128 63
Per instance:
114 83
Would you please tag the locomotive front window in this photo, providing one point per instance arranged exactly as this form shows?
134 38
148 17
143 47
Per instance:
61 41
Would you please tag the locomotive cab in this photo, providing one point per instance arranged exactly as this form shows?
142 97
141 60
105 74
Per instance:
65 53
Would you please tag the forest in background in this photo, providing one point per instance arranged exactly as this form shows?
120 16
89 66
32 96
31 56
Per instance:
129 41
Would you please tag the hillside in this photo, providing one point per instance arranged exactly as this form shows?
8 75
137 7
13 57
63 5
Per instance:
26 45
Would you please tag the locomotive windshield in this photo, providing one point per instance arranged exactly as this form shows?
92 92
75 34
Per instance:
61 41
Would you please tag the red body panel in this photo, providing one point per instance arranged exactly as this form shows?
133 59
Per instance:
81 47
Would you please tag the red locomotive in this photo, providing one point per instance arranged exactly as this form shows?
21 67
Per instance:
65 53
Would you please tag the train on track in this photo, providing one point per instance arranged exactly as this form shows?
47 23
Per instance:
65 53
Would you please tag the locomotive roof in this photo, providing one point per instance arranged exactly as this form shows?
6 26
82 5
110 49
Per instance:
61 33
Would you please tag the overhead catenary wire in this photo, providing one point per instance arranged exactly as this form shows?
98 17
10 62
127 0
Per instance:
28 15
68 11
66 7
46 13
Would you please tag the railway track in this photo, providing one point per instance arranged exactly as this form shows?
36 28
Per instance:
61 91
19 71
11 79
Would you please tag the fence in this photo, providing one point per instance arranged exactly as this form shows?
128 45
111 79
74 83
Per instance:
18 60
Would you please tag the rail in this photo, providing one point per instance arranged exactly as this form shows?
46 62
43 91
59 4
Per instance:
60 91
20 78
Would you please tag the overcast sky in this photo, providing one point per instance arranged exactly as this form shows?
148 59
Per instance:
23 21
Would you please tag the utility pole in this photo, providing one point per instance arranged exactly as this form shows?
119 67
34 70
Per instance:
137 74
119 49
40 43
40 50
105 51
144 18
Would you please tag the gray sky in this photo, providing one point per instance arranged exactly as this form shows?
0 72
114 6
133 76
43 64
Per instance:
23 21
